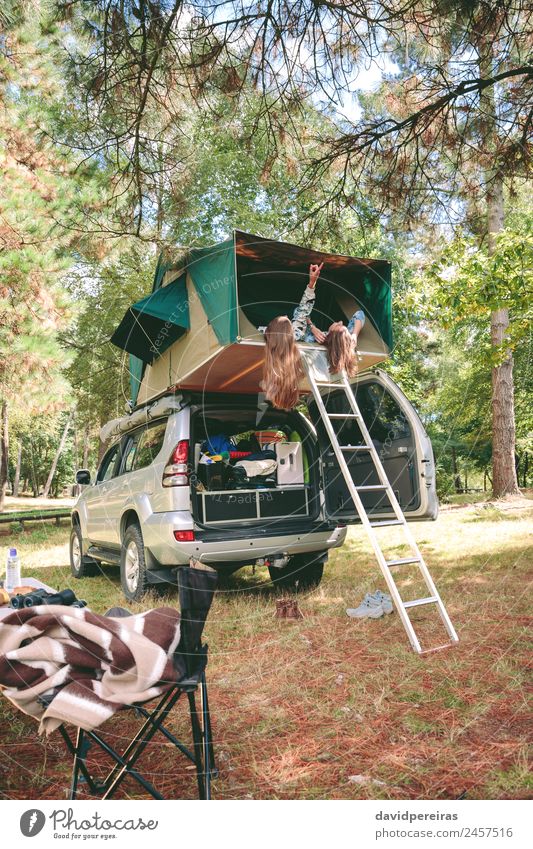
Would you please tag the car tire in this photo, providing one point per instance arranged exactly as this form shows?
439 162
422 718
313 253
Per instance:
133 571
302 572
81 566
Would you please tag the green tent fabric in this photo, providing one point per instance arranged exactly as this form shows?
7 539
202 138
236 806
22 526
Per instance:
137 366
375 297
213 272
154 323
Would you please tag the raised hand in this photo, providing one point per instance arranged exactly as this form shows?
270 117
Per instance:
314 273
319 335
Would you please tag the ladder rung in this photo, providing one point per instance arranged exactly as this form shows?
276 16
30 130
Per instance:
432 599
343 416
322 383
403 562
388 522
354 447
371 487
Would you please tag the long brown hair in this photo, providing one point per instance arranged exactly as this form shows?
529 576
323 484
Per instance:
283 370
341 351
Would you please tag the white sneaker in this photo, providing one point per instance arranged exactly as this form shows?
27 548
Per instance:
383 599
368 609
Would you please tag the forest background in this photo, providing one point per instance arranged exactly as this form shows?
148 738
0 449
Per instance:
399 130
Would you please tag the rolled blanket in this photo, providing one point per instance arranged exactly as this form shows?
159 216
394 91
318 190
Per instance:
64 664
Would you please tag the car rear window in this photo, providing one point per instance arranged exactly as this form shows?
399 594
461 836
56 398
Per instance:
149 445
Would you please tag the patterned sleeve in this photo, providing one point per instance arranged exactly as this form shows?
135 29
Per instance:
302 313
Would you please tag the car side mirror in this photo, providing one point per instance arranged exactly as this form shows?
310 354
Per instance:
83 477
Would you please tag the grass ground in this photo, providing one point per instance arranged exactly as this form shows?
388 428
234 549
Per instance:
329 707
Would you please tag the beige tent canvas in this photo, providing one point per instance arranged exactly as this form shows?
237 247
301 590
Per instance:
198 330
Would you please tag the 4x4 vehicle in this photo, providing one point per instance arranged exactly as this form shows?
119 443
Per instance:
150 507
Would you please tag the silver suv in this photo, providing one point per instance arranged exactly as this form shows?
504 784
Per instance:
155 504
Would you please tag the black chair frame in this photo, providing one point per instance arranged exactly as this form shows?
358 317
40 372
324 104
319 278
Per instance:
196 588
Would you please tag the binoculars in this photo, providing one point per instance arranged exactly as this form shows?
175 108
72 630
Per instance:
65 597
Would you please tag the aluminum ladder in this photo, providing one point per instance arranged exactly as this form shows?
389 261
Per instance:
370 527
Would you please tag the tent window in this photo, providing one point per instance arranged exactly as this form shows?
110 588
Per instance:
271 277
267 293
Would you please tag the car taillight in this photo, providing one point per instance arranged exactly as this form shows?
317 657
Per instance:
184 536
176 472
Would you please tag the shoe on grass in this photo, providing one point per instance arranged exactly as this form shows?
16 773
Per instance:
368 609
373 598
383 599
379 596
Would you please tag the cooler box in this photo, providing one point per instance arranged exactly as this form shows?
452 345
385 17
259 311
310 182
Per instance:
290 463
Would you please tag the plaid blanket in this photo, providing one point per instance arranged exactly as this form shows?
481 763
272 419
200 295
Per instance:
66 664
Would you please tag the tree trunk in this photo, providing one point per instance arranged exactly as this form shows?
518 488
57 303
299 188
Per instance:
34 481
58 453
456 476
75 465
85 447
4 454
504 480
16 481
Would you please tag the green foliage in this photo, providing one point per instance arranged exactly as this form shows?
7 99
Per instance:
453 298
467 283
39 437
84 168
98 371
44 195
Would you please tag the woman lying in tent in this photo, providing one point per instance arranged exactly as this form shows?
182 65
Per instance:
283 368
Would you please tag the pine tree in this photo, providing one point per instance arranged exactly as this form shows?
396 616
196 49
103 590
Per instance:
42 201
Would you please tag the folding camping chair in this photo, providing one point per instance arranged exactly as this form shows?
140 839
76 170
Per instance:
196 588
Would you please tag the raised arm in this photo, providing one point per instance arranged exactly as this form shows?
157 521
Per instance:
314 274
305 307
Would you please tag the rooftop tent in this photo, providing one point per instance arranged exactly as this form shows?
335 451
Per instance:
240 284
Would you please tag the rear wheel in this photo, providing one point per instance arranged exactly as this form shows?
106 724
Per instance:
133 573
302 572
81 566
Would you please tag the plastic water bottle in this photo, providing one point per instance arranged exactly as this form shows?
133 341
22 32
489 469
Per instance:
12 571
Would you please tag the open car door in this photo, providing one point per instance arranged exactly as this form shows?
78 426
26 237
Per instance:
400 439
